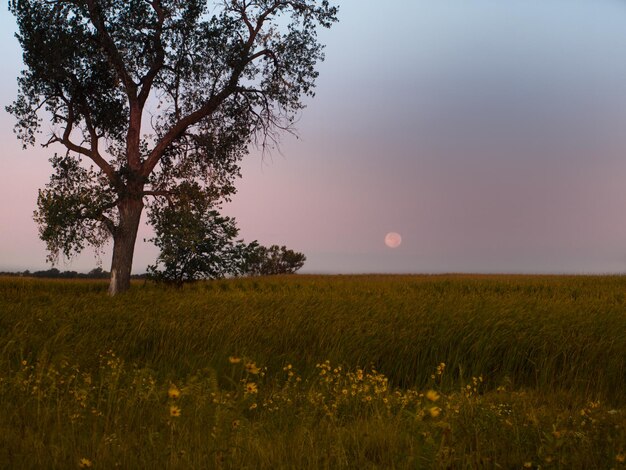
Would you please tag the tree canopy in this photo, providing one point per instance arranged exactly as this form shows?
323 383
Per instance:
147 95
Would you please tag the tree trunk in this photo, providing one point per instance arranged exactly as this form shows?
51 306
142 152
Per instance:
124 244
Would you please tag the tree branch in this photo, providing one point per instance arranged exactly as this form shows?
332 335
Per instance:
264 53
134 125
160 193
148 79
108 223
179 129
92 153
210 106
244 15
111 49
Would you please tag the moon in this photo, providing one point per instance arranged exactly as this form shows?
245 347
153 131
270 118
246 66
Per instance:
393 240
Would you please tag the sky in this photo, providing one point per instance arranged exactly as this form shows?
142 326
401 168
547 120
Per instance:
489 134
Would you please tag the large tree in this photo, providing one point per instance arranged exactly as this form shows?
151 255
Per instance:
146 95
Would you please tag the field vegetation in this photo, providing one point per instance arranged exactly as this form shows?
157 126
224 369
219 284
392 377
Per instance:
315 372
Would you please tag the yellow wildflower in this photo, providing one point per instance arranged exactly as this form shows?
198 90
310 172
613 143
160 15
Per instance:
174 411
236 423
432 395
234 360
251 387
251 368
434 411
528 465
621 458
253 406
85 463
173 392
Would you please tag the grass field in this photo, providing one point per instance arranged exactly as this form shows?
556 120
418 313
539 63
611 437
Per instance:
315 372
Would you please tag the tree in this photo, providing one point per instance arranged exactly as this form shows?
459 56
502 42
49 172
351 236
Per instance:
262 261
209 78
97 273
195 241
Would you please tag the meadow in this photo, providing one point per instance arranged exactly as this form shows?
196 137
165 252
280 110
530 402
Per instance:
305 372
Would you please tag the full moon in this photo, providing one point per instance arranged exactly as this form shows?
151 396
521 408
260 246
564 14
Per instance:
393 240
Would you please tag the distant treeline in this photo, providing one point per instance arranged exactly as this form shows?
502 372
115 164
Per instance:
54 273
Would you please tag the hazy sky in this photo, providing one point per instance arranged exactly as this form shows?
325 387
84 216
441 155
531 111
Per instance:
490 134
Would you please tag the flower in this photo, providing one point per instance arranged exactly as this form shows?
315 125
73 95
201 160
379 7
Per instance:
432 395
528 465
251 388
621 458
434 411
174 411
85 463
173 392
251 368
236 423
234 360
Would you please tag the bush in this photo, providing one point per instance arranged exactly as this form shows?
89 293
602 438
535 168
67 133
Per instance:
196 242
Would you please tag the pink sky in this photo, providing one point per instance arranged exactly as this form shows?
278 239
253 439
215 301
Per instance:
490 137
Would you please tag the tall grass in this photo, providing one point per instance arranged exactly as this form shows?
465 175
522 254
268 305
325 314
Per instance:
542 332
531 362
